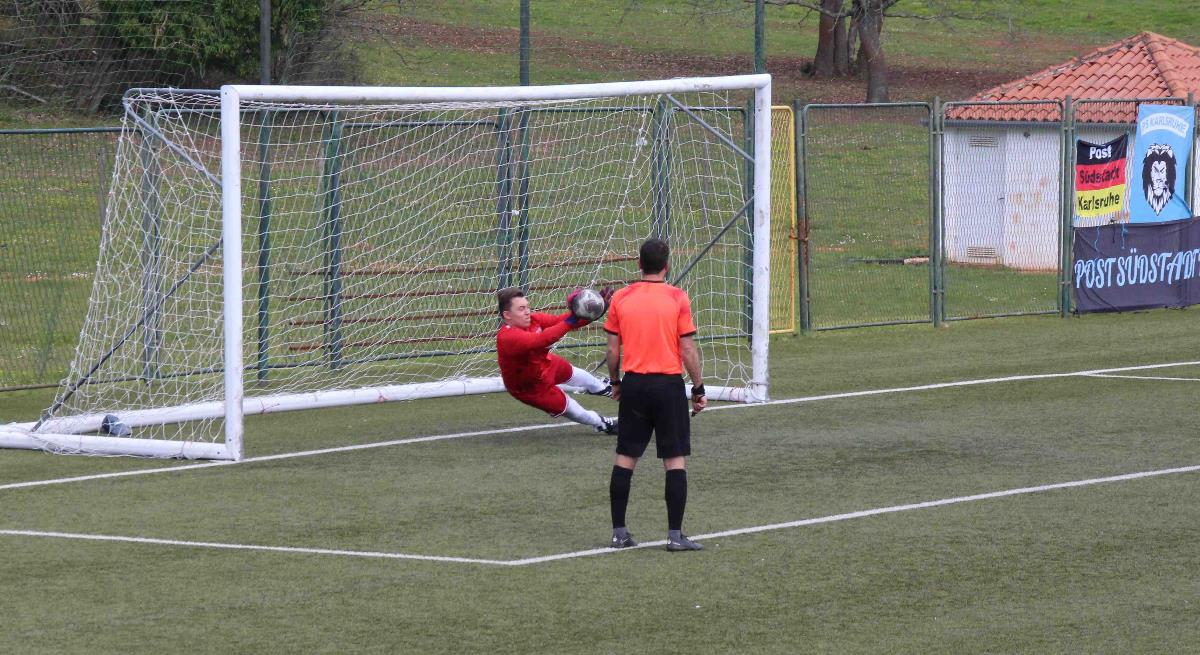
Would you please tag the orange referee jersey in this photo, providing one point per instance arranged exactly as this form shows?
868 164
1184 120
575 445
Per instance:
649 317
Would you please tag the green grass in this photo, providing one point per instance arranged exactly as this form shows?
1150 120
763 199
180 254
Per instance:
1090 569
1107 568
50 201
992 37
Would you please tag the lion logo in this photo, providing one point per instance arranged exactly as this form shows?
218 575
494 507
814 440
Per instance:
1158 176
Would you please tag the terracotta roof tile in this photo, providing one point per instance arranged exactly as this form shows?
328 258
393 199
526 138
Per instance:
1146 65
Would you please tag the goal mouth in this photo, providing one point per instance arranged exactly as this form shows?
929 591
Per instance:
302 247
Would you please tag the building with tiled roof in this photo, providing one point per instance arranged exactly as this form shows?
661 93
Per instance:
1002 149
1143 67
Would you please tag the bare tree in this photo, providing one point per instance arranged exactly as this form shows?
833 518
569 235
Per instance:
844 24
850 34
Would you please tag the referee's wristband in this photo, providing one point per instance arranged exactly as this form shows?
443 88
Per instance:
616 382
697 390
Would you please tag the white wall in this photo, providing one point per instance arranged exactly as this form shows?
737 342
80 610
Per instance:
1015 216
1018 216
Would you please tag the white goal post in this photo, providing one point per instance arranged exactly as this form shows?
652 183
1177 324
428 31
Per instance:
276 248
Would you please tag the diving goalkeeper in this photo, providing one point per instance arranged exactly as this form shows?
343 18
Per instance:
531 374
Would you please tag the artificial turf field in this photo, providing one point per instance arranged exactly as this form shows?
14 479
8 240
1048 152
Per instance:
1049 506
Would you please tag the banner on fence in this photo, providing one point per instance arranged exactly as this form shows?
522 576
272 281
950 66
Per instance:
1137 266
1100 187
1160 163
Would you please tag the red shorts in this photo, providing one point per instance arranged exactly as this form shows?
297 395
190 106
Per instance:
543 394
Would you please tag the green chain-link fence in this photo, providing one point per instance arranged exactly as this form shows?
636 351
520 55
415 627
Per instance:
866 209
876 250
51 203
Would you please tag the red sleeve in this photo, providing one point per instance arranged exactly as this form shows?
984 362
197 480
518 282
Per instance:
686 326
514 342
546 320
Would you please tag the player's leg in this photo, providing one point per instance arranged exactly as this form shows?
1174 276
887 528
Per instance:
572 376
553 401
633 435
579 414
673 442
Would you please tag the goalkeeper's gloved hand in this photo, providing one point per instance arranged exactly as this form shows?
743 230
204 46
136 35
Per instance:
574 321
607 293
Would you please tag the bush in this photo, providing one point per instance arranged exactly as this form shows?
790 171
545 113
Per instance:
215 40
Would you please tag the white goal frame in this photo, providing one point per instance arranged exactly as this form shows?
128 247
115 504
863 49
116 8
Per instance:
66 433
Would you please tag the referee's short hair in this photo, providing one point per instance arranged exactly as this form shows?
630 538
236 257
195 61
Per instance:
505 296
653 256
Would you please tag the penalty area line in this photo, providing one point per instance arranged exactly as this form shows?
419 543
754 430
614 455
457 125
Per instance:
561 424
227 546
1143 377
867 513
269 458
835 518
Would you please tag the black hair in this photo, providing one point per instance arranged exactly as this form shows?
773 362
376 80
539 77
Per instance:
653 256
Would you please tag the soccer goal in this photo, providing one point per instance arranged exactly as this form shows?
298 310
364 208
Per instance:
273 248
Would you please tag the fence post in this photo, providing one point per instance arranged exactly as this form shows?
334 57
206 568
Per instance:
760 37
333 243
264 246
504 199
661 168
937 297
748 192
151 256
523 200
1068 209
801 221
1189 182
264 42
524 47
800 116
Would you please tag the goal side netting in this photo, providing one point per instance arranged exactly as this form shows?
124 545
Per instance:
276 248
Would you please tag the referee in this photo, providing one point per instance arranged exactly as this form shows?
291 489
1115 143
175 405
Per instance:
650 331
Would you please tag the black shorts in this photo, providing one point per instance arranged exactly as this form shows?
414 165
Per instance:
653 403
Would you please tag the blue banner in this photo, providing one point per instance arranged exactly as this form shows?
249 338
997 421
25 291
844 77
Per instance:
1160 164
1121 267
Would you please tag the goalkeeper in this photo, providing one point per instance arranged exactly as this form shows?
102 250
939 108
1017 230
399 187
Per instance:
531 374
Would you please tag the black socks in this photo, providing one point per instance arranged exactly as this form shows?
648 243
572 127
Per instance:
676 494
618 494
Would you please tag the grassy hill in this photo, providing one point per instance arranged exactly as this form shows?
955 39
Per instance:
975 45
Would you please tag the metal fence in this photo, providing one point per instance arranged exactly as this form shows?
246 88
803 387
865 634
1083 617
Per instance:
914 213
54 184
903 213
866 213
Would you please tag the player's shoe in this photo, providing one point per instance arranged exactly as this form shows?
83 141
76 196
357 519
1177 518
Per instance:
607 391
625 541
609 427
682 543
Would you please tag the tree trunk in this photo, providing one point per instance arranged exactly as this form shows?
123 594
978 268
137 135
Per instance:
870 31
841 58
845 62
827 39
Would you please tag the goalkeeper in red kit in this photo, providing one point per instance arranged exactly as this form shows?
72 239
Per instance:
531 374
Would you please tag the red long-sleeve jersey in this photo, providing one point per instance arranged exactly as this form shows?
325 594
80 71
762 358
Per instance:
523 354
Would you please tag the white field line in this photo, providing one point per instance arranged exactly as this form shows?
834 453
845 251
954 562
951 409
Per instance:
267 458
605 551
272 549
1143 377
543 426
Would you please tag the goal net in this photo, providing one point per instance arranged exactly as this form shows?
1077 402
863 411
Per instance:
277 248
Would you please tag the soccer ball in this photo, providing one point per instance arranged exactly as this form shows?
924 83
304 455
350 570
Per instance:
588 304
